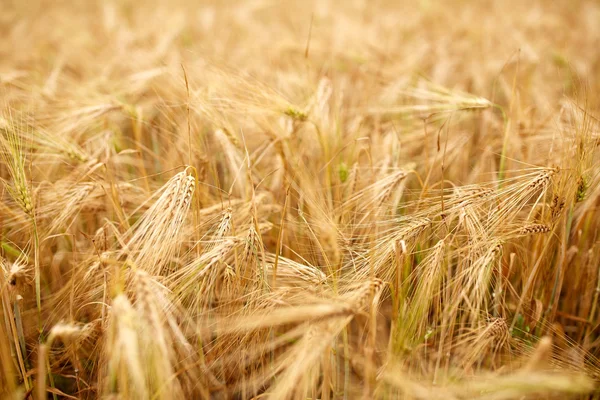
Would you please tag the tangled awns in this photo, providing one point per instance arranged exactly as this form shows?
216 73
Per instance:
320 199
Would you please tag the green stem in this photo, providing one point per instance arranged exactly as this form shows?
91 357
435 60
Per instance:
36 260
504 146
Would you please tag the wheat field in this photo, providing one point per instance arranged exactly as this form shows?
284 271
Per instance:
299 199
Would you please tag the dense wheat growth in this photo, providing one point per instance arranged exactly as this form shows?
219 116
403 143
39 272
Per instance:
299 200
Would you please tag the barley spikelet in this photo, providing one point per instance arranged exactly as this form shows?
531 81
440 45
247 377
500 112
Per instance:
534 229
250 270
404 231
13 156
70 202
295 273
477 277
159 349
125 367
472 192
224 227
413 228
394 180
196 281
428 280
487 339
362 296
157 235
557 206
497 329
543 178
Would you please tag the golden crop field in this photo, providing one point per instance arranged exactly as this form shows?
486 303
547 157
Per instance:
302 199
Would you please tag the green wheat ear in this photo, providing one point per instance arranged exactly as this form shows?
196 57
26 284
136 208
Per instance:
582 186
296 114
